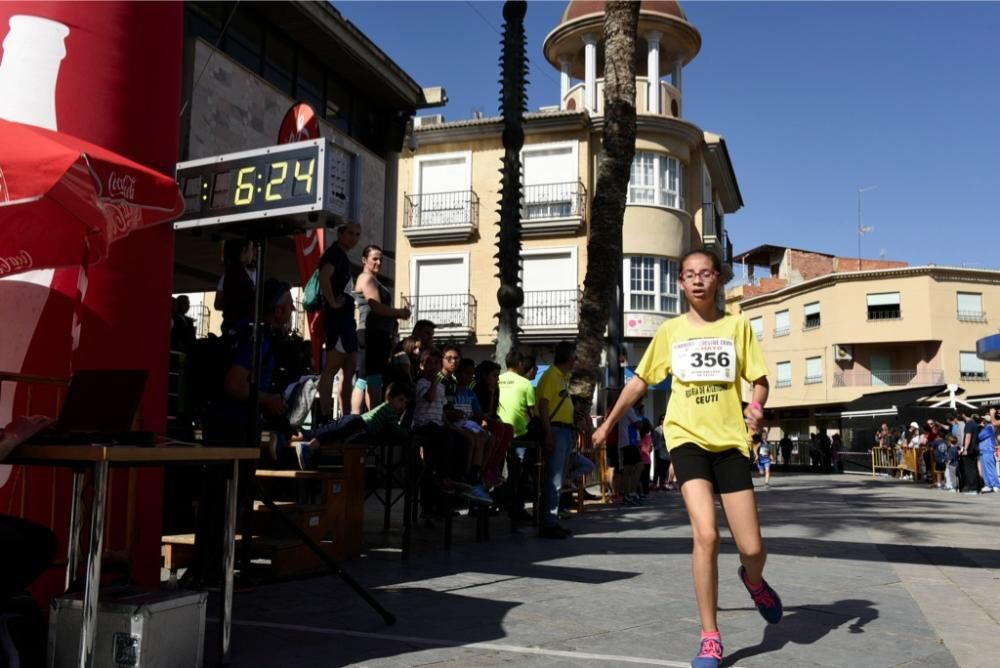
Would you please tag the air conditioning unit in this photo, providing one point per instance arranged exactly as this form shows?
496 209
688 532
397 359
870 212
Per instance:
843 352
426 121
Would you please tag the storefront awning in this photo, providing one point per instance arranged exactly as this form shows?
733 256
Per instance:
888 403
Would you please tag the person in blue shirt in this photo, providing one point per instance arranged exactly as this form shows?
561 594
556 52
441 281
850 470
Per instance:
988 452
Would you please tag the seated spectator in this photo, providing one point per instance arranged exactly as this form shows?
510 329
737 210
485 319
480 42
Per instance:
488 394
469 416
443 447
381 421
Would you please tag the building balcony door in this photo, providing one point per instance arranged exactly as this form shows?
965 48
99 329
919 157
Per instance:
881 367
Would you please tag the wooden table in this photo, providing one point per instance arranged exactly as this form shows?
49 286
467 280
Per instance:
100 457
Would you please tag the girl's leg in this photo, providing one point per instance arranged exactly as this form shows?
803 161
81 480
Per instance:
741 515
767 474
700 502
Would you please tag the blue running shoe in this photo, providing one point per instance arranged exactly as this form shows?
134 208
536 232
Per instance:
710 654
765 598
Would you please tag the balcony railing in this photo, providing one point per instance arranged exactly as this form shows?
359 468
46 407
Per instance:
813 380
553 200
783 382
782 331
551 309
892 313
811 323
890 378
973 376
447 312
460 208
972 316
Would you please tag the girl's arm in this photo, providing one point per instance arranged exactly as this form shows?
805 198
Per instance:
754 412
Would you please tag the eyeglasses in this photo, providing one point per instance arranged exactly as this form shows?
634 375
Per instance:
704 274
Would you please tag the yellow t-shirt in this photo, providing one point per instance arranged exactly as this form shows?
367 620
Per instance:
554 388
706 363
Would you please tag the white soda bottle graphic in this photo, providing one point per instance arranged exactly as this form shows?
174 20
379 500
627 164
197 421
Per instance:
33 51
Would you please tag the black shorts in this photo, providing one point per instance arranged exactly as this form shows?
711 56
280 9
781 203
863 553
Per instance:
728 471
612 456
373 352
340 331
630 455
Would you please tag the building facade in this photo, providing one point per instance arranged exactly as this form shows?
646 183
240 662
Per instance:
245 65
833 337
682 186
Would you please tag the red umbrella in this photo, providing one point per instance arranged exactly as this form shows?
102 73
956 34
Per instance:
63 201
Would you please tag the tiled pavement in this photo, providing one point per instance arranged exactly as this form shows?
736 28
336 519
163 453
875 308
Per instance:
873 573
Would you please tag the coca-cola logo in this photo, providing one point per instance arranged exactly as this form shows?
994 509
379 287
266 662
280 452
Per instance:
15 263
121 186
4 192
124 218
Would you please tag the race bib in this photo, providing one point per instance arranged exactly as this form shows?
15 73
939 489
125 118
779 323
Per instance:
711 360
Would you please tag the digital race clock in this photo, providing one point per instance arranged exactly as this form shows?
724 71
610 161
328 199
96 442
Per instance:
306 184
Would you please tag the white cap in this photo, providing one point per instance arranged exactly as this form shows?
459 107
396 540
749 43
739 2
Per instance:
914 425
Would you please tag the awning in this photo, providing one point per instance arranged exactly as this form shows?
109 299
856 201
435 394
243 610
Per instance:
988 348
888 403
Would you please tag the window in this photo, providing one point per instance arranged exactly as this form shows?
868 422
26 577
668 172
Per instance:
970 307
784 375
781 323
757 325
814 370
884 306
656 179
812 316
971 367
279 61
551 185
651 284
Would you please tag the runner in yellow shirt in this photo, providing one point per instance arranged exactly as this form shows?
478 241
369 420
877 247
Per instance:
708 353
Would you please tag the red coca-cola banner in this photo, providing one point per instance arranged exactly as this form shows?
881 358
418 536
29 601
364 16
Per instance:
109 73
300 124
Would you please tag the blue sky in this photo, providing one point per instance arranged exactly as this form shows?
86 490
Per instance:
814 99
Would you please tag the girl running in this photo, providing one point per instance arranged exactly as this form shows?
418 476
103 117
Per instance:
708 352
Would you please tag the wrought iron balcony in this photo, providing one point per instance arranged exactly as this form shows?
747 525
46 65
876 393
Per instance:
432 217
972 316
553 208
551 309
451 314
888 378
885 313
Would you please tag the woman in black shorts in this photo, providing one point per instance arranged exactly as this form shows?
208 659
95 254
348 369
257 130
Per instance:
339 328
376 330
708 353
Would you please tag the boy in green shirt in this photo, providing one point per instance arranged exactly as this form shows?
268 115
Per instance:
383 420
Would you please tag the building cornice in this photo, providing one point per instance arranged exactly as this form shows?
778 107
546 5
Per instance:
480 128
723 175
985 276
689 133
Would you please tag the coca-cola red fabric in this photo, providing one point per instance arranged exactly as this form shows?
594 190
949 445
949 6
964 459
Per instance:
119 87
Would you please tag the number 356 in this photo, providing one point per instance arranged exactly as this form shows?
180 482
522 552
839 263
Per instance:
709 359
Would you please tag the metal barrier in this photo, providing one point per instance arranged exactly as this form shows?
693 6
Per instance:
908 460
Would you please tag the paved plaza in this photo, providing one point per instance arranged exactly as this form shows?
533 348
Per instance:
873 572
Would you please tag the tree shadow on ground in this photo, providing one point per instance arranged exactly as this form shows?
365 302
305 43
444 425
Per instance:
807 624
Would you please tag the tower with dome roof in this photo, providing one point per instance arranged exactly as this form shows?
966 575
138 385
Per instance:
682 186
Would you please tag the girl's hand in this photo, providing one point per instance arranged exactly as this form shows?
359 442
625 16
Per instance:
600 436
754 417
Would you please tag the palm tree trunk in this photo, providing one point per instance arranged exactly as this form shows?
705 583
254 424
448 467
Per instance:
604 249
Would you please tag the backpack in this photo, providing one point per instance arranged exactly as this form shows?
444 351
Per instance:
312 295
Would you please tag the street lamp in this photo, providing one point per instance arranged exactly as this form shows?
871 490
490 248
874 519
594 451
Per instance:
861 228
